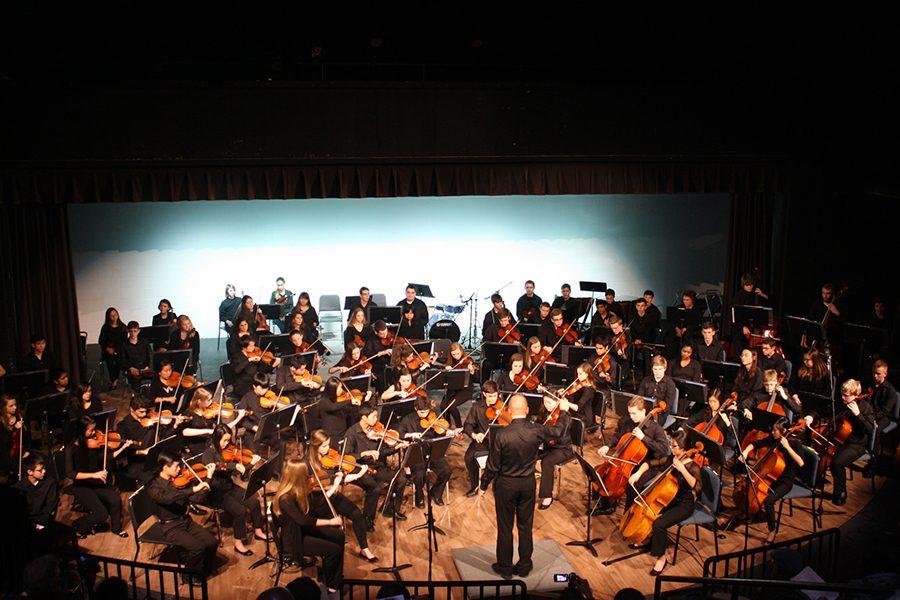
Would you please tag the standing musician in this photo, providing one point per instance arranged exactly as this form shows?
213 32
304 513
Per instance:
749 379
176 526
333 479
658 386
689 318
493 316
421 311
336 416
240 331
224 494
790 450
91 483
566 304
652 310
185 337
11 430
410 427
363 301
529 304
686 367
556 450
651 434
642 327
165 316
284 298
410 328
582 395
453 399
112 337
228 308
364 441
858 412
690 484
477 427
884 396
709 347
358 331
510 467
303 533
136 357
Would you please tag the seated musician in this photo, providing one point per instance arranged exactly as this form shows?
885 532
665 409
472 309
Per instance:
709 347
533 356
354 363
336 416
812 377
112 336
250 312
225 495
689 318
165 316
604 376
136 357
583 397
528 304
621 340
410 427
650 433
549 337
91 482
749 379
59 382
83 402
295 381
363 441
772 358
658 386
503 321
556 450
516 368
41 492
332 481
859 413
228 308
246 366
358 330
251 409
493 316
130 428
200 422
160 389
773 394
790 450
476 427
400 390
176 526
713 410
304 534
682 506
238 333
457 358
185 337
686 367
379 350
11 428
297 322
410 328
405 358
600 320
544 311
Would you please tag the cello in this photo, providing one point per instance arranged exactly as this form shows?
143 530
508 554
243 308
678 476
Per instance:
766 471
771 407
710 429
629 453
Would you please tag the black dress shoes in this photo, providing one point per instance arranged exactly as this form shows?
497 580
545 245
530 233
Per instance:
504 573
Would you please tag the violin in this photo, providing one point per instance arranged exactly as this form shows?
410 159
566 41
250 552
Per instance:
763 474
261 323
440 426
620 344
265 356
165 417
603 364
629 453
574 388
347 463
637 523
232 454
528 380
358 341
186 381
227 409
272 400
377 432
113 440
499 416
414 391
509 334
553 417
567 332
307 377
389 339
541 357
348 395
415 362
187 476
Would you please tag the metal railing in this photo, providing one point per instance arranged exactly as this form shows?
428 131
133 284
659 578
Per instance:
819 551
144 580
699 587
367 589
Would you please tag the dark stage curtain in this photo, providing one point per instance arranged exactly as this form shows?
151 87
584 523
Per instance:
38 283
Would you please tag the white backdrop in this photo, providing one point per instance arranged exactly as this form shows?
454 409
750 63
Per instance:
131 255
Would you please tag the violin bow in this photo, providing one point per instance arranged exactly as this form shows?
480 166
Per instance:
431 425
191 469
514 325
364 360
325 494
277 398
384 434
21 442
106 445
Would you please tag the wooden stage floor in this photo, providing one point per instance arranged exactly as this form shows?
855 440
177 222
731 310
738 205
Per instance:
470 522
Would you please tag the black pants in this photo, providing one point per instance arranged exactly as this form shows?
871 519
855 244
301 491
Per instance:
776 493
845 456
675 513
472 453
457 397
442 475
383 477
197 542
343 507
514 501
549 460
230 499
112 366
101 502
327 542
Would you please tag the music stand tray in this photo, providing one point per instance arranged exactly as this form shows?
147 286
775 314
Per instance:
558 374
719 373
277 344
51 407
421 290
799 327
23 383
171 445
399 408
178 358
528 330
156 335
499 353
535 401
389 314
864 335
692 394
271 424
271 312
760 316
592 286
763 420
575 355
362 383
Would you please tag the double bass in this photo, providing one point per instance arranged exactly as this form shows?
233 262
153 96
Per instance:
629 453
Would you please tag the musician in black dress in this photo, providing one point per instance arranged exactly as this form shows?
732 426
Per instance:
358 331
714 409
165 316
812 377
583 396
185 337
240 330
557 449
858 411
378 344
749 379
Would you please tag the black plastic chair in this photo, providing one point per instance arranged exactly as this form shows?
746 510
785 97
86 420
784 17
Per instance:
141 508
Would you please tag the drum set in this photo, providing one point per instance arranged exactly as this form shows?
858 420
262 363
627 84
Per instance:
442 324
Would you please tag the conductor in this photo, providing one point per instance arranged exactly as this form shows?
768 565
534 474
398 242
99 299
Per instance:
510 466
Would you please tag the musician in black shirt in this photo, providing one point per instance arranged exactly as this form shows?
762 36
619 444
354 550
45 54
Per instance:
240 331
363 301
245 367
41 492
659 386
642 326
556 450
749 379
771 358
858 411
688 322
82 402
379 351
566 303
421 311
410 427
136 357
884 396
411 328
160 390
709 347
39 358
185 337
112 336
613 306
132 465
510 467
477 427
228 308
685 367
548 334
529 304
337 416
176 526
165 316
493 316
772 394
358 330
652 311
543 313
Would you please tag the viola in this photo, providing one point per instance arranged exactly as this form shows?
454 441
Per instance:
261 323
440 426
272 400
529 381
165 417
620 344
499 416
509 334
113 440
186 382
637 523
185 477
763 474
377 432
629 453
567 332
232 454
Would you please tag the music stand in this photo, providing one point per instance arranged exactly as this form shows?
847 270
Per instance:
389 314
798 328
763 420
535 400
620 402
862 335
178 358
760 316
498 354
592 480
425 346
25 383
362 383
302 358
391 496
720 374
277 344
185 399
575 355
171 445
351 302
157 335
592 286
270 425
271 312
421 290
691 394
558 374
47 410
429 451
712 449
528 330
400 408
259 478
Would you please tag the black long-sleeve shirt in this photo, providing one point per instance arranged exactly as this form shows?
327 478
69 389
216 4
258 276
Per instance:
714 352
643 328
746 384
192 342
664 390
863 424
356 442
159 321
411 330
420 314
654 436
524 303
568 307
884 398
493 318
113 337
136 356
547 336
692 372
30 362
355 303
560 433
42 498
476 420
763 397
350 335
244 371
228 309
775 362
514 450
334 416
171 502
584 398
